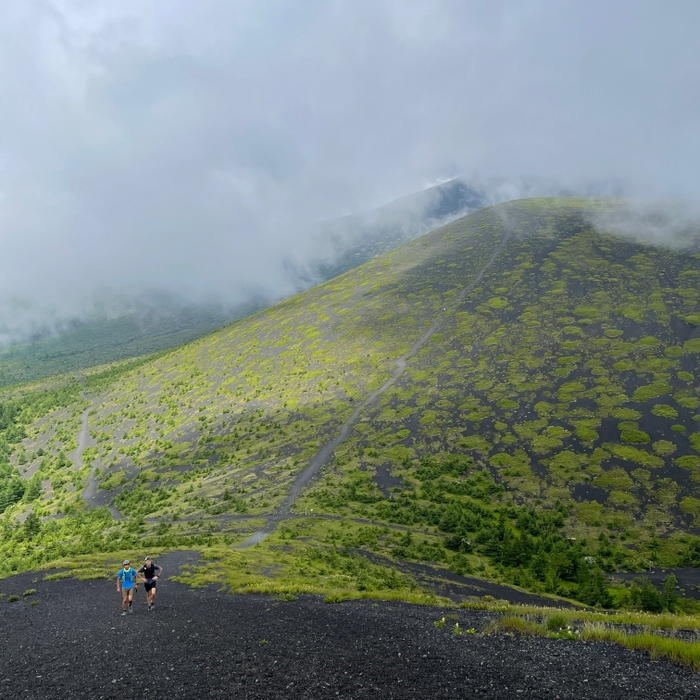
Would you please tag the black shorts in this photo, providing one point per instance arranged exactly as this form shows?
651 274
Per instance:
149 584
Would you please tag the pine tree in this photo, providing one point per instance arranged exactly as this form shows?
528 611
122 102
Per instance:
649 598
32 525
669 595
593 586
33 490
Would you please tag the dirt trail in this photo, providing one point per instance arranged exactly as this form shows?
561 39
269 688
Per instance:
90 493
326 451
84 440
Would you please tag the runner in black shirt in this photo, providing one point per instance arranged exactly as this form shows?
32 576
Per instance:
150 573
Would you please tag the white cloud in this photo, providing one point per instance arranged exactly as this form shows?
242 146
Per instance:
187 146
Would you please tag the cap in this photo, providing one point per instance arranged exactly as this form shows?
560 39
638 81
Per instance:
126 561
147 559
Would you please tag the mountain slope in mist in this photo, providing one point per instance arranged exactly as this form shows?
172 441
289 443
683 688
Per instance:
518 390
160 323
354 240
86 343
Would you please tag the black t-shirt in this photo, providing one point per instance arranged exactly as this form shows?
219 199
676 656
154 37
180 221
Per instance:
149 572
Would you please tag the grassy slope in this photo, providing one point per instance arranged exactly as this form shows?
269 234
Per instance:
565 381
358 239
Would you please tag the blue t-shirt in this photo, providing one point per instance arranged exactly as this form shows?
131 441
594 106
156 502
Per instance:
127 577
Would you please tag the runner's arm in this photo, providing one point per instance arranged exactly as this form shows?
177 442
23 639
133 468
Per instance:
160 571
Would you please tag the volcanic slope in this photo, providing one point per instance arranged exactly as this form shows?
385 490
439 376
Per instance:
512 374
159 322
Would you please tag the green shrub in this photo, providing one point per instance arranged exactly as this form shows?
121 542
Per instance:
634 436
633 454
651 391
515 625
695 441
556 622
626 414
664 411
646 597
664 447
497 303
688 461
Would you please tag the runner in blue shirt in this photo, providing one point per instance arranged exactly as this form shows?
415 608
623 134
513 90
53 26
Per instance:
126 583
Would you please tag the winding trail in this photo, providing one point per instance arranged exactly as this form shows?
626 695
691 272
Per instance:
90 492
284 510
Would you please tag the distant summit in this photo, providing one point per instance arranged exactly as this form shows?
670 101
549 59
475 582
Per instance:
353 240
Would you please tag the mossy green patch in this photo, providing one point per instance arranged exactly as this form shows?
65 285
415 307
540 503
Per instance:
615 478
664 411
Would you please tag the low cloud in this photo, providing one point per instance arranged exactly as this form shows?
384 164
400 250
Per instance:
674 224
195 147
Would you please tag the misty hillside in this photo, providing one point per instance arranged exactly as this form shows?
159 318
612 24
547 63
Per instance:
152 327
513 382
351 241
85 343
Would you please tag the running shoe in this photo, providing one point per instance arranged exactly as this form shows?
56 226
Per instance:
123 613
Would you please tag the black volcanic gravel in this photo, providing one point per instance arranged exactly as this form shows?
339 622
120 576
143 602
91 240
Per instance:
206 644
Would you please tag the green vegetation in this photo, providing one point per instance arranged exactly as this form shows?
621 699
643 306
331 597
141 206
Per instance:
658 647
100 341
559 626
336 573
543 434
17 413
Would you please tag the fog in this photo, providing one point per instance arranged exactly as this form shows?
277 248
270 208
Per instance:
193 148
672 223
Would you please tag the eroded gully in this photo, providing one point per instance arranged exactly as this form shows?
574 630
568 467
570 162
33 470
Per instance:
90 492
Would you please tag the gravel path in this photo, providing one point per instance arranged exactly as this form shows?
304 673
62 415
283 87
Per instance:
205 644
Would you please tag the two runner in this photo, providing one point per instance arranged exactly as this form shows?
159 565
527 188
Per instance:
127 583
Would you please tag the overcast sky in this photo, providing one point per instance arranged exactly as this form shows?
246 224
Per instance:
186 145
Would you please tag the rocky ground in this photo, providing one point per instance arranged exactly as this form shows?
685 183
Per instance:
204 644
